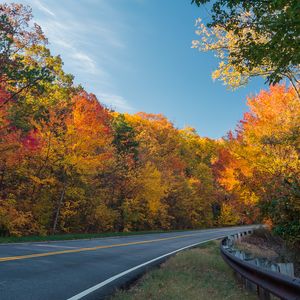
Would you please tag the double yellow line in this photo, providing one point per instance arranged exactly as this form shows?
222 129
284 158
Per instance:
11 258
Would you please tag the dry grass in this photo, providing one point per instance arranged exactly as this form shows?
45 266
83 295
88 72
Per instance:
197 274
256 250
263 244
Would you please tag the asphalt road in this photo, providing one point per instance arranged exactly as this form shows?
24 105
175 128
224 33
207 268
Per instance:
88 269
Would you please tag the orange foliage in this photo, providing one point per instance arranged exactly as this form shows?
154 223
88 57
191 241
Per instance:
68 164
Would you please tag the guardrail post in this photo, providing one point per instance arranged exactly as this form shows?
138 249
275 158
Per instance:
238 276
263 294
286 268
250 286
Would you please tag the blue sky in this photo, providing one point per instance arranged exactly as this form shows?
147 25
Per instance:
136 55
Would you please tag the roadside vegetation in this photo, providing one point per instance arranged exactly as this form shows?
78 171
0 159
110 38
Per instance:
199 273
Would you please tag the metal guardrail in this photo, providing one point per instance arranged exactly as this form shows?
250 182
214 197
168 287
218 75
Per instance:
265 282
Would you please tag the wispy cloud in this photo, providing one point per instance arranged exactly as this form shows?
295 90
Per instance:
44 8
84 62
89 44
115 102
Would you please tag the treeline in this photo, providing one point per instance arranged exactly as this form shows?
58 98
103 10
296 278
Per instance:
69 164
259 165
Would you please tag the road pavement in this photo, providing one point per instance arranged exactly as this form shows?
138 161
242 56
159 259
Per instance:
89 269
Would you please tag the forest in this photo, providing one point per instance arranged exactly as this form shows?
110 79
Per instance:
69 164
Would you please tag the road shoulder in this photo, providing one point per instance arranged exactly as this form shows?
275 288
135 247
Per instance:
199 273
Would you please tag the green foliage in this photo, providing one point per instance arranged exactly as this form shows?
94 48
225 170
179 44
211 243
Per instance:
289 231
25 62
124 137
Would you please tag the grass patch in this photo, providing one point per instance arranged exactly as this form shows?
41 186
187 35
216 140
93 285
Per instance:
199 273
74 236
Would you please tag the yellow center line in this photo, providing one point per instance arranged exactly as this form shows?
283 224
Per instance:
10 258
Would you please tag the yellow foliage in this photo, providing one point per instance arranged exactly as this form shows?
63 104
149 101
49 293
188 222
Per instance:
228 215
15 222
223 43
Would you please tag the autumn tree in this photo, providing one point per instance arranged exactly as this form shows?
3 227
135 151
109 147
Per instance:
182 162
78 148
25 61
263 167
15 147
198 154
252 38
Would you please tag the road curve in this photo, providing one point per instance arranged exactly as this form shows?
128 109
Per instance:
89 269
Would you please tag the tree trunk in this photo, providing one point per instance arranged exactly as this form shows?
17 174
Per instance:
61 199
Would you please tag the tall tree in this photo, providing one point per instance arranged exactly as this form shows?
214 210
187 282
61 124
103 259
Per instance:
25 62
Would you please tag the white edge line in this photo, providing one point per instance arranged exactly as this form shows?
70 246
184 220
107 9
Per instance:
109 280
